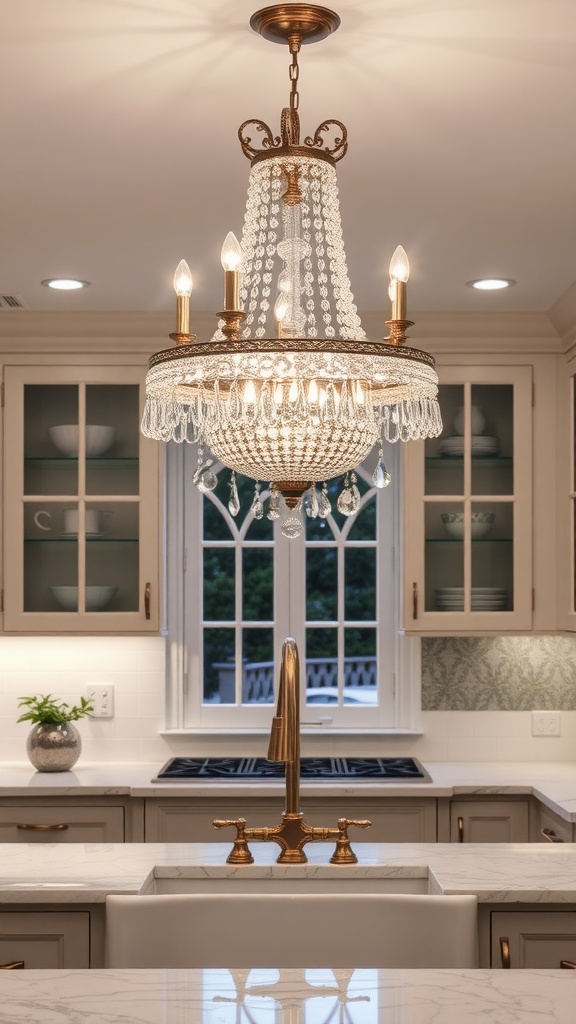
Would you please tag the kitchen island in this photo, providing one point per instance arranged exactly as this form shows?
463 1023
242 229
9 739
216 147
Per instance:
220 996
533 883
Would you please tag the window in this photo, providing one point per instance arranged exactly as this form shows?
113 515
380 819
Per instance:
246 587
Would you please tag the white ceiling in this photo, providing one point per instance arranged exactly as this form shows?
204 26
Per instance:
119 153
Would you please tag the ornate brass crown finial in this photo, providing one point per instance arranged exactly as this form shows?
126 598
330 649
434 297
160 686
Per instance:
294 24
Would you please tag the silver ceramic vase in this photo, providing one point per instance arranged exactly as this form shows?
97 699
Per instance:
52 747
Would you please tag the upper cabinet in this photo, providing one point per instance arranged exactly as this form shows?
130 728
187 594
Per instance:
468 507
567 496
81 502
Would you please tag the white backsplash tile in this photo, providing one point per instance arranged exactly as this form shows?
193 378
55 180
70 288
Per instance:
455 728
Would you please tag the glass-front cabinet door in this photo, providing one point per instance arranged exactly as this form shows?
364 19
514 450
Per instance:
468 500
81 502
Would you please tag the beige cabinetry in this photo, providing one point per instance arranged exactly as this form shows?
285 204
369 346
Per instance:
188 820
468 507
533 938
81 535
73 820
44 939
566 555
551 828
489 821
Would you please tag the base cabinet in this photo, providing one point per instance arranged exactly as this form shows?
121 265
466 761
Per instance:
551 828
489 821
533 939
45 940
190 821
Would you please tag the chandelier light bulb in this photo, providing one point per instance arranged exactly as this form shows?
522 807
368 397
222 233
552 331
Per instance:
231 253
183 280
399 265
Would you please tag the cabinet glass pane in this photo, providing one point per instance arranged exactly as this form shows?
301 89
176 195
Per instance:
112 439
112 556
492 438
444 464
50 439
50 558
492 530
444 556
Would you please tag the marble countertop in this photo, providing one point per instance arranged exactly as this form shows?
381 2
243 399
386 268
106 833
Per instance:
213 997
78 873
552 783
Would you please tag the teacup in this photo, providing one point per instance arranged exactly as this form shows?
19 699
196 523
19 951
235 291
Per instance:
91 521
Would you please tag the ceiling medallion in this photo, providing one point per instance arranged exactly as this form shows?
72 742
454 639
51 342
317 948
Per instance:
289 391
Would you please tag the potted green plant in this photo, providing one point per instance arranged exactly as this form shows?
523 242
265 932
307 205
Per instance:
53 743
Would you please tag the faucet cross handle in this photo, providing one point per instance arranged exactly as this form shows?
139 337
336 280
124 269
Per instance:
240 852
344 854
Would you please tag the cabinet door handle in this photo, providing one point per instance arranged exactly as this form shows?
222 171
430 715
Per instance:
550 835
460 830
414 600
42 828
568 965
505 952
147 592
16 965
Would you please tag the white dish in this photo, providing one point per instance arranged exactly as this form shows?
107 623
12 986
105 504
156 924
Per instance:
96 597
64 437
480 525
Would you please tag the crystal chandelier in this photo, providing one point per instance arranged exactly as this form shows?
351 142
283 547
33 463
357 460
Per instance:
289 390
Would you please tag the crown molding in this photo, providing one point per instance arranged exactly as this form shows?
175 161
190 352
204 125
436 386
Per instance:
139 333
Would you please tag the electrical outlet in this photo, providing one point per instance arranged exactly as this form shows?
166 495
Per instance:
102 697
545 723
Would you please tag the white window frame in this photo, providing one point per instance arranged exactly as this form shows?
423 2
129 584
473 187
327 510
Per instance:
398 710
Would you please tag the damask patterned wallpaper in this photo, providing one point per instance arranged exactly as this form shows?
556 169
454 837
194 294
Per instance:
508 673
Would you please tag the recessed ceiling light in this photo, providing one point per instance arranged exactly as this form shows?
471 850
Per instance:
491 284
65 284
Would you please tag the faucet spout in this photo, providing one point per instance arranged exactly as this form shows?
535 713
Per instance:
285 735
292 833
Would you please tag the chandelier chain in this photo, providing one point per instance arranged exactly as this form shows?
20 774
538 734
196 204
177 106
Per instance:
294 73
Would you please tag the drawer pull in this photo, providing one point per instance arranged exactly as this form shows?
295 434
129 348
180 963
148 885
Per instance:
460 830
568 965
550 835
414 600
42 828
505 952
16 965
147 593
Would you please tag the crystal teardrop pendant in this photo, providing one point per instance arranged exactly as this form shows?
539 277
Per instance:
274 504
349 497
257 508
234 500
324 506
310 502
381 477
207 482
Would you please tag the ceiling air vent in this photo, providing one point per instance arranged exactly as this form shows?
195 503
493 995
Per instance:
12 302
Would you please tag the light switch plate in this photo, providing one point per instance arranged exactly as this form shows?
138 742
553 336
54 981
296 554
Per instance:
545 723
102 697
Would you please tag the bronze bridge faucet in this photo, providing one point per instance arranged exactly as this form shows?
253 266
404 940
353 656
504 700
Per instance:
292 833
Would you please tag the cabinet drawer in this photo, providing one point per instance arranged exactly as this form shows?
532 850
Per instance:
45 940
63 823
536 939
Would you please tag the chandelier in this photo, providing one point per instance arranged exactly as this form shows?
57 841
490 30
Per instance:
289 391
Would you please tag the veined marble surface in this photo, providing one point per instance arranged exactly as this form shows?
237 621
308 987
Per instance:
86 873
553 783
224 997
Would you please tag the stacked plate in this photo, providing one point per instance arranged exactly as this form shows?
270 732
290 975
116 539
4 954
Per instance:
482 599
480 445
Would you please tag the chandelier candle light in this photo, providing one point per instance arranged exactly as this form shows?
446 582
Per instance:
289 390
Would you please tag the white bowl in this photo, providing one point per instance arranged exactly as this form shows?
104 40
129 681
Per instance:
481 524
96 597
65 438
